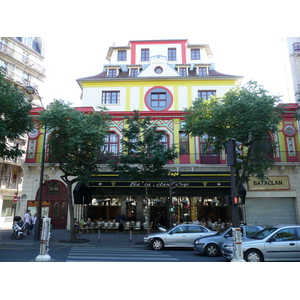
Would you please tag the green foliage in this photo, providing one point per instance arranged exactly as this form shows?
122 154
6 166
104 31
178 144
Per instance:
76 139
247 114
143 156
15 119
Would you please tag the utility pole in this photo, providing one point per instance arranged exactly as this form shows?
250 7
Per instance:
234 200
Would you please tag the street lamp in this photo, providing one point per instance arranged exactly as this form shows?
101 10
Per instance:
31 90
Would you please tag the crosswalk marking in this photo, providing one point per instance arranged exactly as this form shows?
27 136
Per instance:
87 254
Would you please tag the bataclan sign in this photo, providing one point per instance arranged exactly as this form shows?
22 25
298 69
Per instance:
270 183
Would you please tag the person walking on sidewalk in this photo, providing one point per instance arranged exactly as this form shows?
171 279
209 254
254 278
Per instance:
33 222
27 220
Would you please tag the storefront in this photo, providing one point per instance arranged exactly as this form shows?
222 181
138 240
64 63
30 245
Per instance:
270 202
197 196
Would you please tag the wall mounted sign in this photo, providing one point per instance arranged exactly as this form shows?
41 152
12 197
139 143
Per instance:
272 183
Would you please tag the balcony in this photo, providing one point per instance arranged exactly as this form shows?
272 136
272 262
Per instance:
21 58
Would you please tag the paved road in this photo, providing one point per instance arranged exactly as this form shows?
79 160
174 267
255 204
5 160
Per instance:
67 253
88 254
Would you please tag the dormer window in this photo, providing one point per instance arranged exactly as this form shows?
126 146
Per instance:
133 72
202 71
112 73
183 71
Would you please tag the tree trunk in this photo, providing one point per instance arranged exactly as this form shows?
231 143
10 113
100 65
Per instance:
71 211
71 208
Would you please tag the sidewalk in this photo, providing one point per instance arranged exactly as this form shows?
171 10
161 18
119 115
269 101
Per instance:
59 237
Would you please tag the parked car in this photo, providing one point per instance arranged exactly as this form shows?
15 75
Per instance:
182 235
211 245
276 243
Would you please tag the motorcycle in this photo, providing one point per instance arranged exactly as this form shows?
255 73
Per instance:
17 228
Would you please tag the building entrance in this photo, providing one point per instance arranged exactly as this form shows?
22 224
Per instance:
54 203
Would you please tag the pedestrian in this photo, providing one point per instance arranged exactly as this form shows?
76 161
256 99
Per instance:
27 220
33 222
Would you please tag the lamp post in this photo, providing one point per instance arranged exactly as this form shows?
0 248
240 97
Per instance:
31 90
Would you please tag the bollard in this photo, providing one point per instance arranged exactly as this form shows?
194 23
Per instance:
237 245
130 235
99 235
44 245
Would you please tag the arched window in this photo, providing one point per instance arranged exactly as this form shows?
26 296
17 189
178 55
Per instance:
53 188
112 144
165 141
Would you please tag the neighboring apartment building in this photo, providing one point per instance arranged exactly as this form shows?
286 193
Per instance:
293 75
160 78
22 58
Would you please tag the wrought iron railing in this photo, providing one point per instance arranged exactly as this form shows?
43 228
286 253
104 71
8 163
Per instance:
282 156
22 58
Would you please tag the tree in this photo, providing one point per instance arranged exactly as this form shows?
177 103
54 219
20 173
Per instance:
15 118
247 114
143 155
76 145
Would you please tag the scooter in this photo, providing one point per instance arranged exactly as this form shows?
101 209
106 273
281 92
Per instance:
17 228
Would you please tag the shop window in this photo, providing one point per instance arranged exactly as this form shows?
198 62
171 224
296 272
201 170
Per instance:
53 188
8 209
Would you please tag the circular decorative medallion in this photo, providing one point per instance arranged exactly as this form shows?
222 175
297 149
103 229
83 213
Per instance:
289 130
33 133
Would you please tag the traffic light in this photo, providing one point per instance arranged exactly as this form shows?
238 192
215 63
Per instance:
234 200
172 188
237 199
232 152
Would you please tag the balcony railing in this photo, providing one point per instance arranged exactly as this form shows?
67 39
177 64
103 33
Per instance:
22 58
284 156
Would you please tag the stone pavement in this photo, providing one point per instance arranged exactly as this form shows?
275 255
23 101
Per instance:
59 237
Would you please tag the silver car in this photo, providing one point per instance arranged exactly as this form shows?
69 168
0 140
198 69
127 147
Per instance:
211 245
276 243
180 236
